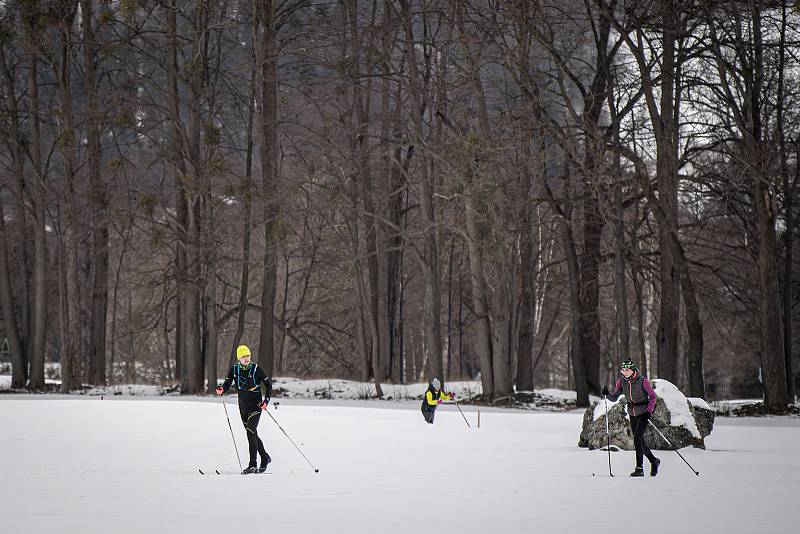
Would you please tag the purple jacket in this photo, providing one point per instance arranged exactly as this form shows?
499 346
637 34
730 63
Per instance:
638 391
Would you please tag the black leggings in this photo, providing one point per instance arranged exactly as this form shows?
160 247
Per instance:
428 415
250 417
639 425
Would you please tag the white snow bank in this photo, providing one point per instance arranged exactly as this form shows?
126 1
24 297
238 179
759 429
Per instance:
558 394
306 389
335 389
349 389
5 381
132 390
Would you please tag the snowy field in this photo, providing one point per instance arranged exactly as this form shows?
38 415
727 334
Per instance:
81 464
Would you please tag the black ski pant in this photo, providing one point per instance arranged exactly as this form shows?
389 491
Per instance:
639 425
428 415
250 415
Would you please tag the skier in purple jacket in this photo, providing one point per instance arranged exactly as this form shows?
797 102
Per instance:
641 403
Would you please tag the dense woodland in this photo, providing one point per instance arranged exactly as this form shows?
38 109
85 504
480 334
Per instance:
523 192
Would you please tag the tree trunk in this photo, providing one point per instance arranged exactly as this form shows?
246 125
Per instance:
130 363
529 259
589 280
369 217
39 327
178 169
501 347
70 294
247 201
429 260
620 280
638 289
194 188
576 335
483 330
527 327
16 326
126 236
773 359
788 195
694 350
358 317
667 178
10 328
393 186
268 72
192 382
98 203
211 302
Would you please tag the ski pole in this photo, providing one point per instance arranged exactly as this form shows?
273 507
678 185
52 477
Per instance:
293 443
674 449
608 435
462 414
229 426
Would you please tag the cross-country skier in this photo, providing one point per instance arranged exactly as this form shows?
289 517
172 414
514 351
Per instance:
641 403
433 397
249 379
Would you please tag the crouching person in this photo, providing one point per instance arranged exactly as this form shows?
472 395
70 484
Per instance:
433 397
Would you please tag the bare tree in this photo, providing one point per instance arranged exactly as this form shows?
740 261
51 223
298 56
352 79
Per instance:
267 61
33 31
97 197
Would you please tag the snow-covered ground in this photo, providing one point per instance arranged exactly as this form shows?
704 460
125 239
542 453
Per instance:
295 388
129 465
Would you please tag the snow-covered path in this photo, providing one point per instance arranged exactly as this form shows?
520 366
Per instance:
91 465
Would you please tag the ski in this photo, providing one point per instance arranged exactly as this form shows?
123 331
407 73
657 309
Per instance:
218 472
209 473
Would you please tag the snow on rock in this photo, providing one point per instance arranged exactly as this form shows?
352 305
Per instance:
680 410
593 432
600 407
699 403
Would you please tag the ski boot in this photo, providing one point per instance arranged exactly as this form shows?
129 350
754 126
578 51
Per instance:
264 463
250 470
638 472
654 467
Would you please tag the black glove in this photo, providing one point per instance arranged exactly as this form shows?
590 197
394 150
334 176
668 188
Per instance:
646 415
605 391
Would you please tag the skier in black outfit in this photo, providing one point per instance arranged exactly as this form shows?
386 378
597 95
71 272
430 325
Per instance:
641 403
249 379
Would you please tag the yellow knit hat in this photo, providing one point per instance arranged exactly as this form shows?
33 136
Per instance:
242 351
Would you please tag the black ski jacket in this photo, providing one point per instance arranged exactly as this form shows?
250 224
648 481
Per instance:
431 399
248 382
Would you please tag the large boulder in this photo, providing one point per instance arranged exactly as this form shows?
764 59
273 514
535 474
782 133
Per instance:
683 422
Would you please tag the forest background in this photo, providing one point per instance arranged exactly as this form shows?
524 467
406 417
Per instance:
520 192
